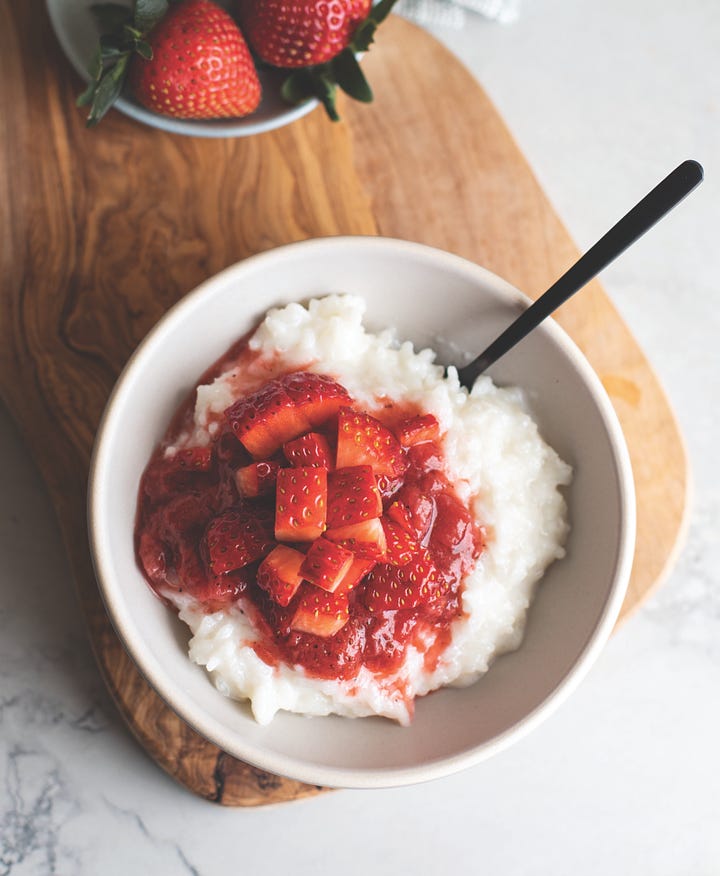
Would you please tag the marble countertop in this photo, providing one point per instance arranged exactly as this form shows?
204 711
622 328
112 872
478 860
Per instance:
604 99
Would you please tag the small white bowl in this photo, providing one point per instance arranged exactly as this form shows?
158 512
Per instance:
434 299
75 30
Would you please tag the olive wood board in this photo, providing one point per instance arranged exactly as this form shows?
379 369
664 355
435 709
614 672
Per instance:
104 230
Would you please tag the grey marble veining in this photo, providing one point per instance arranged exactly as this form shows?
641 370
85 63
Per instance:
604 98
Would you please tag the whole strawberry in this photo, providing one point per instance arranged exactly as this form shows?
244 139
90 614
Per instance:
301 33
319 40
201 67
187 60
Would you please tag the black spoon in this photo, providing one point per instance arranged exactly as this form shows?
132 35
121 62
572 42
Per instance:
633 225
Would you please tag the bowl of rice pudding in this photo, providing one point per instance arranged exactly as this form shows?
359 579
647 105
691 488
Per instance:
326 555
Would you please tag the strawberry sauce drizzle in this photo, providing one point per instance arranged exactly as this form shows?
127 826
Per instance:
181 495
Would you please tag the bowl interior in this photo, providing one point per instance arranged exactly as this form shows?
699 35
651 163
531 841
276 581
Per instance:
75 30
433 299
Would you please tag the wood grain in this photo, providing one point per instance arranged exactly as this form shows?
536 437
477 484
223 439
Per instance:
104 230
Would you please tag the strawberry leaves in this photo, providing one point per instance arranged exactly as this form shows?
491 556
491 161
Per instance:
123 32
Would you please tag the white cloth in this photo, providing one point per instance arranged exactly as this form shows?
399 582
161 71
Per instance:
452 13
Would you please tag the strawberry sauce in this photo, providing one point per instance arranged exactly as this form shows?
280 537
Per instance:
336 529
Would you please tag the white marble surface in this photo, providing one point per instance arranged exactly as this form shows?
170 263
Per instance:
604 98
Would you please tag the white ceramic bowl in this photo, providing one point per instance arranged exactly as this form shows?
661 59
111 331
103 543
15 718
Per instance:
433 298
75 30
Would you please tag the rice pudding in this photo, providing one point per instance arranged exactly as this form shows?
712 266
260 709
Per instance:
342 527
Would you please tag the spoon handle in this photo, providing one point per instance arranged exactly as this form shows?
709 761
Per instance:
633 225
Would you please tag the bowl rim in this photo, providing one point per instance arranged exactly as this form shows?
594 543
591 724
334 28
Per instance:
293 767
215 128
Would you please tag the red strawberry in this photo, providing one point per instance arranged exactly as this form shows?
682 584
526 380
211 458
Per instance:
300 503
201 67
279 573
326 564
363 440
319 397
311 449
389 588
257 479
337 656
319 612
284 408
426 455
352 496
401 546
366 539
236 538
264 420
319 41
303 32
415 430
414 510
358 570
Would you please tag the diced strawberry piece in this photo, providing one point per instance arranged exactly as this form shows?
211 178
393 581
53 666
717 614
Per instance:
258 478
388 486
413 510
401 545
300 503
264 420
359 568
311 449
415 430
353 496
366 539
319 612
279 573
363 440
236 538
318 397
338 656
389 587
326 564
427 456
193 458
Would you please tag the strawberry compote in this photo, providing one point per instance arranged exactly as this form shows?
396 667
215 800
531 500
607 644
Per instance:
334 528
342 526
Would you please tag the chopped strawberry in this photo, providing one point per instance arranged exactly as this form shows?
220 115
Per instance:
427 456
388 486
319 612
415 430
401 545
337 657
279 573
300 503
353 496
359 568
264 420
236 538
413 510
258 478
326 564
363 440
318 397
366 539
389 587
311 449
284 408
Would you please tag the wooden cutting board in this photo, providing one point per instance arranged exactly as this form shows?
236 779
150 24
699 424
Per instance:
104 230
